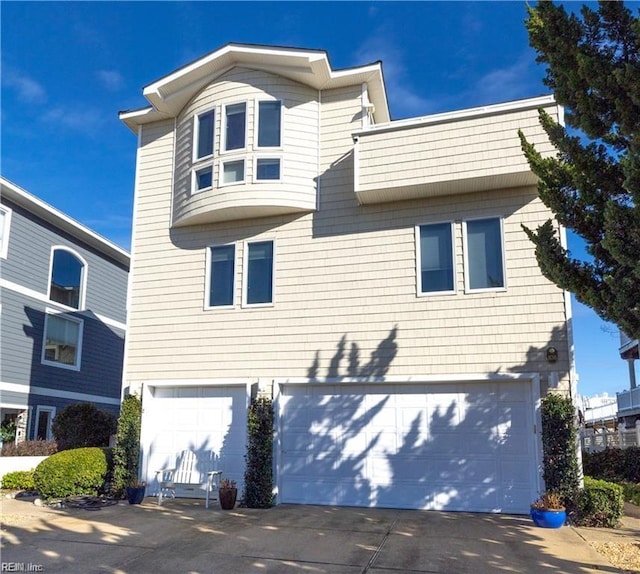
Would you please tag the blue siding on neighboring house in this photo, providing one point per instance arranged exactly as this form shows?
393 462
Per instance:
27 382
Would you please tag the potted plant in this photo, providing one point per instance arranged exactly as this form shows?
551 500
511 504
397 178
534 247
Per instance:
136 491
548 511
227 492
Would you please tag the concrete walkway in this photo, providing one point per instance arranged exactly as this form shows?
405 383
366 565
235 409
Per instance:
182 536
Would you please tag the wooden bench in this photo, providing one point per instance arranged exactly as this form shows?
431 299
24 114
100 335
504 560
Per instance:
188 472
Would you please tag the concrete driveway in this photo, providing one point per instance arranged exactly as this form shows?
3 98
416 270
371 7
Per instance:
182 536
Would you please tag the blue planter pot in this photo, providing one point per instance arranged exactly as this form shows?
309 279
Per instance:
548 518
135 494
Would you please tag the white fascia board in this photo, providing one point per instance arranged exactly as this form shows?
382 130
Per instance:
49 213
135 118
457 115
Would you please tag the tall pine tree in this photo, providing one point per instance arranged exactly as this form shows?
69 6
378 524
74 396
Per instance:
593 184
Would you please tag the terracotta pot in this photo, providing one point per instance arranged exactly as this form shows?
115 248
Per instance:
227 498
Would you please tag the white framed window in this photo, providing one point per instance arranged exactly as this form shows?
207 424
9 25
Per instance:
258 273
235 126
43 422
220 282
67 277
232 172
202 179
435 250
267 169
62 341
269 131
203 132
484 254
5 226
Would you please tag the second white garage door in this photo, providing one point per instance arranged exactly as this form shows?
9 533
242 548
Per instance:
454 446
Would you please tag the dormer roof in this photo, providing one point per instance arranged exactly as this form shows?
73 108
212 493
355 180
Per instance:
169 94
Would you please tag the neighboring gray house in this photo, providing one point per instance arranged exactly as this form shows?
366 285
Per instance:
63 292
371 275
629 401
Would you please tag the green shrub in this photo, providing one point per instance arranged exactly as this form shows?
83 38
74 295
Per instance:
83 424
258 479
127 449
631 492
8 430
559 435
30 448
599 503
73 472
613 464
18 480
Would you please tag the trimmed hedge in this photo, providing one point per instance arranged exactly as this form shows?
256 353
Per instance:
599 503
30 448
83 424
613 464
19 480
258 479
74 472
127 449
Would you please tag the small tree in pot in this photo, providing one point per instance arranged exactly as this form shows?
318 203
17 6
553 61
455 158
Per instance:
228 493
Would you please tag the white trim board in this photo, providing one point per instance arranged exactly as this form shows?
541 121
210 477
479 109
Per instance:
47 392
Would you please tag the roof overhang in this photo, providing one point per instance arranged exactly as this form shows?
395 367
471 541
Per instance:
46 212
170 94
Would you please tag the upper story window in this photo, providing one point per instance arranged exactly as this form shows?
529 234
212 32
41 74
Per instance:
5 224
269 124
484 255
66 285
62 344
232 172
258 273
221 260
204 124
235 116
267 168
436 258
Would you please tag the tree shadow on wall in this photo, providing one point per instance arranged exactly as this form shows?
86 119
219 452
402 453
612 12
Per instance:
452 446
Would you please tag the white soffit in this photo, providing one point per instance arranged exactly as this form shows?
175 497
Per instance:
170 94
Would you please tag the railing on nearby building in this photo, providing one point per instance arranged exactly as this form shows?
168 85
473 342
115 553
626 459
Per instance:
628 400
593 440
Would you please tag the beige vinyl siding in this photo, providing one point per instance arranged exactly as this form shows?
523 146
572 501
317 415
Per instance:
345 283
454 156
296 190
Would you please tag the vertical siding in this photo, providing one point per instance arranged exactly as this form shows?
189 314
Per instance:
345 294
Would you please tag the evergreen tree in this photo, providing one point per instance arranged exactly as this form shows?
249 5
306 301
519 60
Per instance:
593 185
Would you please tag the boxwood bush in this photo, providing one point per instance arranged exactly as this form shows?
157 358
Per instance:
599 503
83 424
18 480
73 472
613 464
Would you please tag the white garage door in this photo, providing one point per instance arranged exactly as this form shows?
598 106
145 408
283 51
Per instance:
209 420
464 446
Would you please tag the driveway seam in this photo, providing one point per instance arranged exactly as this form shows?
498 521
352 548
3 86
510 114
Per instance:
377 551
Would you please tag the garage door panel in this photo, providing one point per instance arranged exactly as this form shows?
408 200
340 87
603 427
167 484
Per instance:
449 446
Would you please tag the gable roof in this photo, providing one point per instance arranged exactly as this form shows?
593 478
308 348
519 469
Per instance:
169 94
50 214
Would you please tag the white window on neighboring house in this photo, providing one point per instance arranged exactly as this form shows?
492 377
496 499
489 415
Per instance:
267 169
62 341
5 225
44 419
67 278
220 276
484 255
436 259
235 116
258 273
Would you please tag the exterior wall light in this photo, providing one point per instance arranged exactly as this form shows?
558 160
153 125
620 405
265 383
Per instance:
552 354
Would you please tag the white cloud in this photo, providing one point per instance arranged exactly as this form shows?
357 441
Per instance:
112 80
512 82
28 89
86 120
403 100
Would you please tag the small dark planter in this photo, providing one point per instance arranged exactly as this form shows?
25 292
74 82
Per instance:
135 494
227 498
548 518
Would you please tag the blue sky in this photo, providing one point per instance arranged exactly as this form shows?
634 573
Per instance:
68 68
